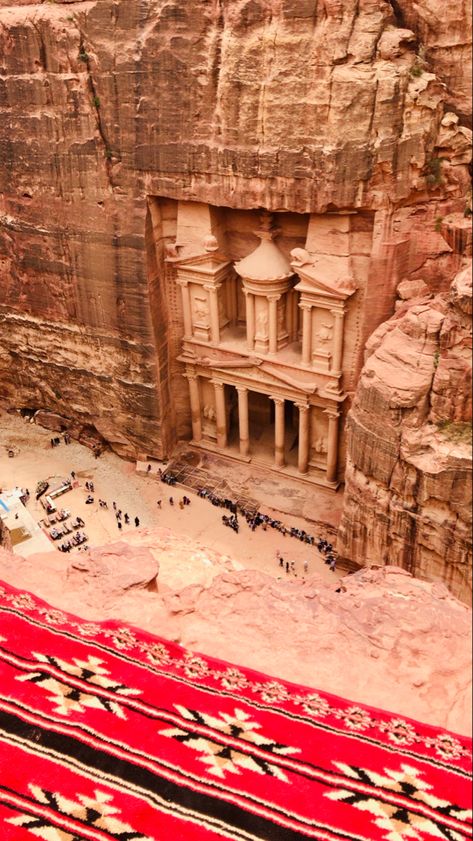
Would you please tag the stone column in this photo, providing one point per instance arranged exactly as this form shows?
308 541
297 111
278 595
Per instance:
186 308
338 339
273 322
279 432
243 420
232 300
250 319
304 437
332 444
306 333
221 415
214 314
194 394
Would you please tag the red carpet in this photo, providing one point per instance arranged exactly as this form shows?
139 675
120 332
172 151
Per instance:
109 733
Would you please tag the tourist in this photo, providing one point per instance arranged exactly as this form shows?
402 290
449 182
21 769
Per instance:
114 506
148 469
119 524
73 475
171 501
137 522
181 504
306 566
127 519
158 503
332 564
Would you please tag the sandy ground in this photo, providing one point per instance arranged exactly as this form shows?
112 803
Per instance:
116 480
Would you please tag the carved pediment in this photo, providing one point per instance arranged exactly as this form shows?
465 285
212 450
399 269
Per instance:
326 275
206 262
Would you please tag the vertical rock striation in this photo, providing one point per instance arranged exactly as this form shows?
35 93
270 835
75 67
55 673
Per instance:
408 477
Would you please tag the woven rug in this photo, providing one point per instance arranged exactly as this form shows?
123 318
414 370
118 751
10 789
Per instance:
107 732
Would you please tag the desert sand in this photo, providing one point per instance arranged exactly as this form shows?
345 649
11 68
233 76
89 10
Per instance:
117 480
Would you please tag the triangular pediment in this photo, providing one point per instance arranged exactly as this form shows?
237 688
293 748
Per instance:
201 262
329 276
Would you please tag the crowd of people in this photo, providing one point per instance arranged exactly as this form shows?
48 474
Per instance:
56 441
77 540
237 512
255 519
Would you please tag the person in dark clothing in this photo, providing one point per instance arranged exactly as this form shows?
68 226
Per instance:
137 522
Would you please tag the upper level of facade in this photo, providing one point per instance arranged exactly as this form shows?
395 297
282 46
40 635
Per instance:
286 309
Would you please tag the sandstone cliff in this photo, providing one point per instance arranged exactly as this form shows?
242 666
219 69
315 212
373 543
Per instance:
293 105
408 478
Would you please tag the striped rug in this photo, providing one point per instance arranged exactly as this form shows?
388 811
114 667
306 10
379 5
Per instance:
110 734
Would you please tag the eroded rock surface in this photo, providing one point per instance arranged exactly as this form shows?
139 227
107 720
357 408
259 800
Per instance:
408 478
379 636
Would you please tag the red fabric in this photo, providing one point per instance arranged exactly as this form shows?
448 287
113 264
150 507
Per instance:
107 732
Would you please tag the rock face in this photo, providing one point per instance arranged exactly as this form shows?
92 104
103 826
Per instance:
4 537
304 106
408 477
382 628
441 34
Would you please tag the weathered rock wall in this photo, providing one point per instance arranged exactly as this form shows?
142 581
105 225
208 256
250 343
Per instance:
444 42
408 477
299 105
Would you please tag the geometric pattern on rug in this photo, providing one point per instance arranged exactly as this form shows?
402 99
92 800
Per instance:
108 733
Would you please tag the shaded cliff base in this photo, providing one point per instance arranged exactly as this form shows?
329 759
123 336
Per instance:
379 637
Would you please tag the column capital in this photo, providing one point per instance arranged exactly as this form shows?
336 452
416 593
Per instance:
217 383
181 282
189 375
212 287
338 311
273 297
303 407
242 389
305 306
332 413
277 399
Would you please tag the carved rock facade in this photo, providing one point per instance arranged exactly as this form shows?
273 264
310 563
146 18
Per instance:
113 114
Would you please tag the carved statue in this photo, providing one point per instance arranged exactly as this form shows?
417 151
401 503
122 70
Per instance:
209 413
281 316
262 325
325 333
300 257
201 311
320 446
210 243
